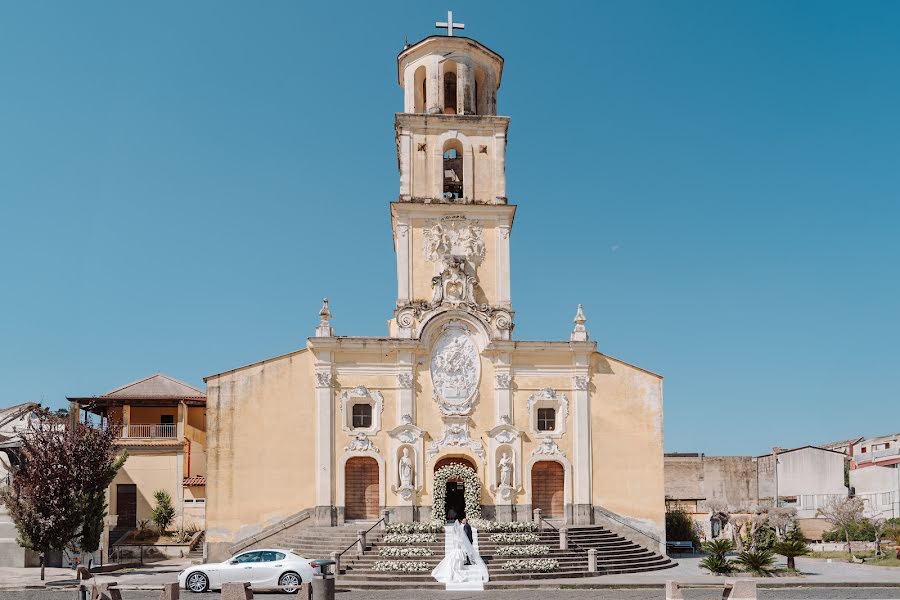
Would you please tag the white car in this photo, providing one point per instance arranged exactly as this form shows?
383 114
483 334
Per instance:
262 568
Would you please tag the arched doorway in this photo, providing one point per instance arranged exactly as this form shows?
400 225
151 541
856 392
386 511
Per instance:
361 488
455 486
547 485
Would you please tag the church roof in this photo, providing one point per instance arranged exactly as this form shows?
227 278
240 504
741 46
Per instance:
455 39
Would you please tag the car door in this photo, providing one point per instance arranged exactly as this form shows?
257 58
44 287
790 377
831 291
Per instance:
267 569
240 568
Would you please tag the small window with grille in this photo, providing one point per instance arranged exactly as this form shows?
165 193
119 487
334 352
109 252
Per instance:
362 416
546 419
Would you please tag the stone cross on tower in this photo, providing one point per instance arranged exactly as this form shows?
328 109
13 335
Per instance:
450 25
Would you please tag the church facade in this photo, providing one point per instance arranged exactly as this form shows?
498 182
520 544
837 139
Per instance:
347 427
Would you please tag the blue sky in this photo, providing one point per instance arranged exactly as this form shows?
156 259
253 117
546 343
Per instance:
717 182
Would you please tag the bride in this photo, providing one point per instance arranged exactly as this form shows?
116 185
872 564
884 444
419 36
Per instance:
459 551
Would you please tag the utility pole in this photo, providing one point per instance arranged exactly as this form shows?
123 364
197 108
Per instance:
775 457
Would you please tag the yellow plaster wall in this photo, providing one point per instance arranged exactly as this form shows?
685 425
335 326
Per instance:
627 432
150 415
149 472
261 445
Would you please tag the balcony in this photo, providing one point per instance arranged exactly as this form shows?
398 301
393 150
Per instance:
150 431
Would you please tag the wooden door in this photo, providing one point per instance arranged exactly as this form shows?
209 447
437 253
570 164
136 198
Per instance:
126 504
361 488
547 481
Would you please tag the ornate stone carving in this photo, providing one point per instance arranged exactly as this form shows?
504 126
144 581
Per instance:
324 379
361 443
455 370
453 237
503 381
549 398
404 380
454 286
375 398
547 447
581 382
456 435
549 394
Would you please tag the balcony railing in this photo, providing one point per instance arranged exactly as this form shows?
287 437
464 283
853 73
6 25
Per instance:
149 430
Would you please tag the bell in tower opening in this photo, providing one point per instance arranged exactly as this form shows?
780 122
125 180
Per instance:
453 170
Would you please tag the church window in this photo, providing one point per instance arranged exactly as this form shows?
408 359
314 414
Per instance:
453 170
362 416
546 419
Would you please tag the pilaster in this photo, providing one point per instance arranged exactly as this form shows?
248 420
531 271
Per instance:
581 426
324 375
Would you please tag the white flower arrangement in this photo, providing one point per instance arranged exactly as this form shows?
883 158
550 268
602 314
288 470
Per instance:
523 550
394 552
427 527
472 492
531 564
401 566
405 539
515 538
487 526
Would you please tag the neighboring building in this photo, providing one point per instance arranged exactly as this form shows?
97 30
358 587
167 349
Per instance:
806 478
13 421
162 424
696 481
347 427
875 472
882 451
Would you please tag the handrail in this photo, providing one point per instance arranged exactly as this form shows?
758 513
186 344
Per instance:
569 540
355 542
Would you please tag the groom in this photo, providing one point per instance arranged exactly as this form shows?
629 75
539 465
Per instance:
468 531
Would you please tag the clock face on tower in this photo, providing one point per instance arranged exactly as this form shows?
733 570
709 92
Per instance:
455 370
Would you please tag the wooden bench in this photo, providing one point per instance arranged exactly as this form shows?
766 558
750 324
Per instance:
681 546
738 589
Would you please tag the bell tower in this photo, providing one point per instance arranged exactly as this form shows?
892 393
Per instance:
452 220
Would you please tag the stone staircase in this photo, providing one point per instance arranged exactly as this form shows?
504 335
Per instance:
615 555
196 553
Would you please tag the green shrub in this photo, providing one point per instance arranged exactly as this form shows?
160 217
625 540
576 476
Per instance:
718 564
680 527
164 513
758 562
860 531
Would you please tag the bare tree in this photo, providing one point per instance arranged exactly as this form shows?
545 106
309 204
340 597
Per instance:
842 512
780 518
737 522
879 525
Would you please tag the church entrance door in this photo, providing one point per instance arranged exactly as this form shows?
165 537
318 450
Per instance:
456 500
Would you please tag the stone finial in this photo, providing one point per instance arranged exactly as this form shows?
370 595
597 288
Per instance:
579 334
324 329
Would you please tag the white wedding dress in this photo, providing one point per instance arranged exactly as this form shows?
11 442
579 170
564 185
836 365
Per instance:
453 571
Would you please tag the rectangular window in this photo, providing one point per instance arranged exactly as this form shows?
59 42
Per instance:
166 419
362 416
546 419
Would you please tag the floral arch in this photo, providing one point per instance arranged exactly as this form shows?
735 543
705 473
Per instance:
472 491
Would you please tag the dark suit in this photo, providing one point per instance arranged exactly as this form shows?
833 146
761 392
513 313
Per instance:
468 529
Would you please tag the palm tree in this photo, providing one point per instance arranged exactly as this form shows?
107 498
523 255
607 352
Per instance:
758 562
718 547
791 549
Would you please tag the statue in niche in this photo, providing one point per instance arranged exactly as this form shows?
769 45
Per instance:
405 469
506 466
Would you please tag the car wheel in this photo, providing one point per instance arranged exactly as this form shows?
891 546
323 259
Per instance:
197 582
290 582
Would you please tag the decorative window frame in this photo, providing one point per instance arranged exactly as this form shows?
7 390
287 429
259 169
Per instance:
548 398
361 395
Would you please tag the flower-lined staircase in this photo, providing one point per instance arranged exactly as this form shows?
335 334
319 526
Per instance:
615 555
